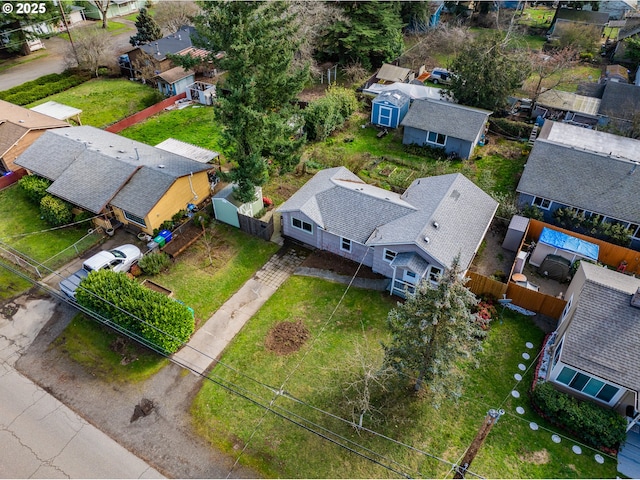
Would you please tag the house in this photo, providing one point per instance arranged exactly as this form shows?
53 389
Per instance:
594 352
592 172
389 108
456 128
620 104
117 8
153 55
617 9
568 107
616 73
19 128
567 17
405 237
175 81
123 180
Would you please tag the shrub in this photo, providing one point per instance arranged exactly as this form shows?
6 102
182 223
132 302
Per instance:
531 211
55 212
437 153
163 323
42 87
509 128
596 425
328 113
34 187
155 262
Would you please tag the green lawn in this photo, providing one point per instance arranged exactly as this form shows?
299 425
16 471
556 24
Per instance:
10 283
18 216
569 79
92 345
537 17
316 375
205 285
105 101
195 125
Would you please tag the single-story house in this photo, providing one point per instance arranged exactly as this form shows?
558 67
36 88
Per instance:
456 128
617 9
616 73
19 128
389 108
175 81
567 17
620 104
123 180
405 237
589 171
594 354
117 8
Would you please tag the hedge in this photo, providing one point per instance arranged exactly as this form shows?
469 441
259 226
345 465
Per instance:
510 128
164 323
328 113
42 87
55 212
34 187
155 262
595 425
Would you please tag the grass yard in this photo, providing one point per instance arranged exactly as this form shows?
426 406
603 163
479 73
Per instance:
98 349
18 216
11 284
205 285
316 375
195 125
105 101
539 17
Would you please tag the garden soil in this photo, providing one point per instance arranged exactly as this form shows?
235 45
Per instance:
150 418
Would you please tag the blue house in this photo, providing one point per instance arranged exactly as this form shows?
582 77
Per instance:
389 108
456 128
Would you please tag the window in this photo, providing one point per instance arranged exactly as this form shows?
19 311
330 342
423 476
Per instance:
410 274
134 218
556 355
567 307
434 274
587 384
436 138
345 245
389 255
301 225
542 203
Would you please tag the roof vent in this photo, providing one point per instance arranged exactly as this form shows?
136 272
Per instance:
427 239
120 151
436 225
635 299
20 121
160 166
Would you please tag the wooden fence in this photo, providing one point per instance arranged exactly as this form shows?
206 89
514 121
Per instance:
144 114
256 227
609 254
13 177
521 296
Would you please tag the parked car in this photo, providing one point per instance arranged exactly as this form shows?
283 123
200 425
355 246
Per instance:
440 75
119 259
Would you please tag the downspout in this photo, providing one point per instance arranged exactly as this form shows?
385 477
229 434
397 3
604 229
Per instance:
195 195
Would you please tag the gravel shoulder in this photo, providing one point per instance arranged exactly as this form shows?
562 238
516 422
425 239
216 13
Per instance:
164 438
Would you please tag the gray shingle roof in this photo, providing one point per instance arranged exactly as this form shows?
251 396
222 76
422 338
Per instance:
575 177
344 205
448 118
620 100
604 335
170 44
582 16
91 167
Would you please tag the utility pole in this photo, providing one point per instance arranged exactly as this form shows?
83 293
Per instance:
489 421
66 25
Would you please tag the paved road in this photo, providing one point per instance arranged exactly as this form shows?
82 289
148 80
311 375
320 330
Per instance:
56 51
40 436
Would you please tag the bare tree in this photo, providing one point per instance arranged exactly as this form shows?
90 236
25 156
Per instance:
312 20
445 40
103 6
547 70
144 67
93 50
171 15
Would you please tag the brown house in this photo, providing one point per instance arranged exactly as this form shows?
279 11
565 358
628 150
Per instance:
19 128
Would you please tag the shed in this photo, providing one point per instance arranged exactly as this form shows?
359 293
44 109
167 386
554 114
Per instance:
188 150
201 92
515 233
616 73
59 111
175 80
389 108
393 73
226 208
552 242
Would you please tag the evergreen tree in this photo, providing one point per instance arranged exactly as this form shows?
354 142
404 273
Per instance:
431 332
258 113
487 71
148 29
370 34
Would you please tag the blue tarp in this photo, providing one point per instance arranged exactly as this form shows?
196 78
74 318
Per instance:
569 243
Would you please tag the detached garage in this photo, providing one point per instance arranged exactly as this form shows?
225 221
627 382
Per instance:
389 108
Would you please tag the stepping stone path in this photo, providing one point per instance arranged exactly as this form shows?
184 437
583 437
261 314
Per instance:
522 366
529 345
533 426
517 376
520 410
556 438
515 394
576 449
526 356
599 458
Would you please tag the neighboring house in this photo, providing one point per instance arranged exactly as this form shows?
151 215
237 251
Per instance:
117 8
616 73
568 17
594 354
617 9
456 128
153 55
568 107
620 104
123 180
19 128
389 108
590 171
407 237
175 81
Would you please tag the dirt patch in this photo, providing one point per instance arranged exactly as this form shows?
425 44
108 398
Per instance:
540 457
287 337
8 310
324 260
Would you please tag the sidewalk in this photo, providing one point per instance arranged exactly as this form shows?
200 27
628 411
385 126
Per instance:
208 343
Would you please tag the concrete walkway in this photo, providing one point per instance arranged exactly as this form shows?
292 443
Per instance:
208 343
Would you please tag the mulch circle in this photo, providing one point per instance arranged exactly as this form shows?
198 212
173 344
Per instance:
286 337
